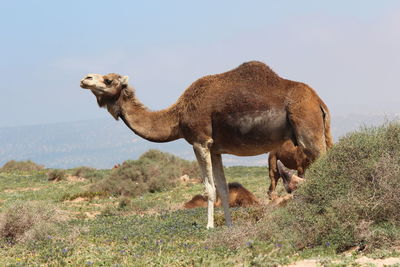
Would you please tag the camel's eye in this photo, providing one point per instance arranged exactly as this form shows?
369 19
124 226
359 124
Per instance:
107 81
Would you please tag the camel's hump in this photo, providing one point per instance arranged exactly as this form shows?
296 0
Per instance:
256 66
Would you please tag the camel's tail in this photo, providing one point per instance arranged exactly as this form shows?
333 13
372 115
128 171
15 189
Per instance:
327 125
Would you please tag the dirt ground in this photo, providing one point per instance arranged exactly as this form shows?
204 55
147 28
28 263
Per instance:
363 261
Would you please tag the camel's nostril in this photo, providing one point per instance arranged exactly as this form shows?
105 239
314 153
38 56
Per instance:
88 78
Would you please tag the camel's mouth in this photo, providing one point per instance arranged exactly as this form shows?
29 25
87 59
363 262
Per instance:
85 84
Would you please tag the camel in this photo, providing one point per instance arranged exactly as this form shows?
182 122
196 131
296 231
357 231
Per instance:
292 157
239 196
246 111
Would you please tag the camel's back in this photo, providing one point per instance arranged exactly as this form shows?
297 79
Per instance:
249 79
253 72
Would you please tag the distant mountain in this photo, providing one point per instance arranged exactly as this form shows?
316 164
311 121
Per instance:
105 142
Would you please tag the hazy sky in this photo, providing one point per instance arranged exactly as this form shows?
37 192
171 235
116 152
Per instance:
349 51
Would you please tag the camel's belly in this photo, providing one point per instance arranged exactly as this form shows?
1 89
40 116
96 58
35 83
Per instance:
250 133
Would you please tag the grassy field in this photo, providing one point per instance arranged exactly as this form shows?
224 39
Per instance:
65 221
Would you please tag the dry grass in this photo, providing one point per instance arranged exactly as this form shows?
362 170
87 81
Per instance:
28 221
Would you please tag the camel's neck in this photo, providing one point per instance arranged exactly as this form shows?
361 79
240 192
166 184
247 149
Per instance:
155 126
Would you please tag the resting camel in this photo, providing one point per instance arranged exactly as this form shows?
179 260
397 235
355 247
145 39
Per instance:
239 196
246 111
292 157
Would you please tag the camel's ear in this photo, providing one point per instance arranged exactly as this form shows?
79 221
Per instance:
124 80
284 172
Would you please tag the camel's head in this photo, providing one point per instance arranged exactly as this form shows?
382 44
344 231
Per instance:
290 180
105 86
107 90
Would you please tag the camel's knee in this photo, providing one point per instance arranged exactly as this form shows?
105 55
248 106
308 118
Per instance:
210 191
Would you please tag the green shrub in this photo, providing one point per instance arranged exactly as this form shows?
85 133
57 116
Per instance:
28 221
350 197
28 165
154 171
57 175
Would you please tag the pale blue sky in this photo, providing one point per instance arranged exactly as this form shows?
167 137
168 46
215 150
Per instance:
349 51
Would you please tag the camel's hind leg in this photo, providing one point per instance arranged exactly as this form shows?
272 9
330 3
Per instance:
203 155
222 186
273 175
308 128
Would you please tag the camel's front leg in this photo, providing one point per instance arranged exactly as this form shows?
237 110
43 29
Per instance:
222 186
203 155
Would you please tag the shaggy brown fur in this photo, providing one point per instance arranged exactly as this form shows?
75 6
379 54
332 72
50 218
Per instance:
197 201
247 111
239 196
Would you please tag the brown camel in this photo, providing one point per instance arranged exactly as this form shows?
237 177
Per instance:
239 196
247 111
292 157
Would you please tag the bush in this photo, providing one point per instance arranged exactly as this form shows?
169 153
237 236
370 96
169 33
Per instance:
28 221
153 171
28 165
350 198
83 171
56 175
89 173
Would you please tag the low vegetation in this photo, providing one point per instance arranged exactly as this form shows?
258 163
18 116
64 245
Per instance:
84 172
351 197
154 171
57 175
28 222
13 165
349 203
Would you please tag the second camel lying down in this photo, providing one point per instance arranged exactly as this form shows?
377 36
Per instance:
238 196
